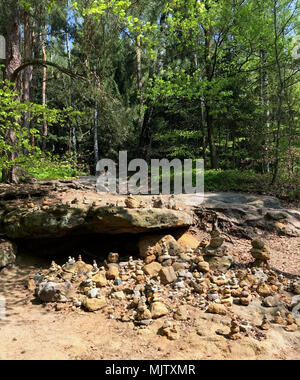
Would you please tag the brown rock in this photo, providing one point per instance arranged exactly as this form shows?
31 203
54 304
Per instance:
152 269
258 244
271 301
131 202
203 267
264 290
150 259
215 308
112 273
263 255
220 264
188 241
181 314
296 288
100 280
291 328
94 304
152 245
216 242
178 266
113 258
31 285
170 332
167 275
158 309
79 267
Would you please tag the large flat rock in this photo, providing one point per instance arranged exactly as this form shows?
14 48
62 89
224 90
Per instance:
247 211
61 221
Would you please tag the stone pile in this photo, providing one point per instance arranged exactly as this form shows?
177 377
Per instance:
216 254
141 292
261 253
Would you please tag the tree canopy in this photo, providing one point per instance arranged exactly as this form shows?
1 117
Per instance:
218 80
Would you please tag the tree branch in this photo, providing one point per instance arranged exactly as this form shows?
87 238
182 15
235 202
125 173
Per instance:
40 62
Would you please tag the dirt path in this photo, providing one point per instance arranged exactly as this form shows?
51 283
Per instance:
37 332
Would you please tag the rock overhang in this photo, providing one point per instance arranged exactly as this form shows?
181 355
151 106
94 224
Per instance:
62 221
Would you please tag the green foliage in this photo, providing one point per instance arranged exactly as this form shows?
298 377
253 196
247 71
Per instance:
48 167
15 139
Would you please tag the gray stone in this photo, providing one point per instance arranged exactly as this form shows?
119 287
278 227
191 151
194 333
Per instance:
271 302
55 292
8 253
220 264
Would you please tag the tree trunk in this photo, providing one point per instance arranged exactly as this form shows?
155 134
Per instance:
34 52
280 91
13 61
140 81
96 142
27 77
73 133
44 87
211 138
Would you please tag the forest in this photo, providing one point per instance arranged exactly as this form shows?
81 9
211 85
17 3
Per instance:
219 80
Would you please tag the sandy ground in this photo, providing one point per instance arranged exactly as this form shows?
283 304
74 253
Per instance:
35 331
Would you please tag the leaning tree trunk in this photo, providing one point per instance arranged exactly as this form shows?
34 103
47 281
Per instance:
13 61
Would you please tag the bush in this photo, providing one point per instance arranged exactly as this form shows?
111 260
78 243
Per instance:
47 167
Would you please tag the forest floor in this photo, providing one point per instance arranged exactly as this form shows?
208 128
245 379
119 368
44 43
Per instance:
35 331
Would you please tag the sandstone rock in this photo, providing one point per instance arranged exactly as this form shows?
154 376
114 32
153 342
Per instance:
203 267
132 202
150 259
181 314
119 295
113 258
153 245
291 328
271 301
216 242
8 253
264 290
63 220
258 254
31 285
258 244
94 304
55 292
79 267
265 324
187 240
215 252
296 288
170 332
245 301
167 275
178 266
158 309
100 280
215 308
112 273
220 264
152 269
